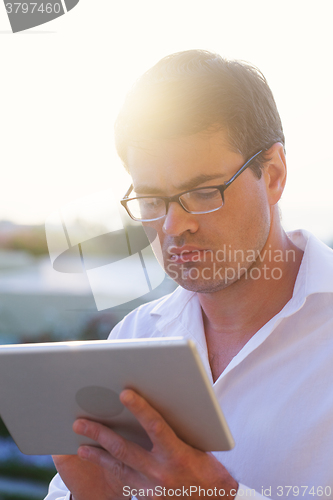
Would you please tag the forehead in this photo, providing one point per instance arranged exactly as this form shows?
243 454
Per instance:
166 165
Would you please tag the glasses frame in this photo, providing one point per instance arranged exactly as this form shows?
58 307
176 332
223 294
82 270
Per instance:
176 198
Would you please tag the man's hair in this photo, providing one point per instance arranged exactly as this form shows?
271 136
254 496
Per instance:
192 91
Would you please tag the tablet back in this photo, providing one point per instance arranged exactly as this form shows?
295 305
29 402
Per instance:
45 387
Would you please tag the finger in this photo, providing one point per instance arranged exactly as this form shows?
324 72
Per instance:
119 448
102 458
153 423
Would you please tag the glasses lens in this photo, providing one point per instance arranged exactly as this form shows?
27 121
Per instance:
146 208
202 200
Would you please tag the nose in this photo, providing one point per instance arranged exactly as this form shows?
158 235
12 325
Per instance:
177 221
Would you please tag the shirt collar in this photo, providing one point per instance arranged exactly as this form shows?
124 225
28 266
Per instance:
172 306
315 274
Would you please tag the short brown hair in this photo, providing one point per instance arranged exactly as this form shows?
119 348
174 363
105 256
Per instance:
188 92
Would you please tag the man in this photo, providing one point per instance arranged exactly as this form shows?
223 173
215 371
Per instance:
203 142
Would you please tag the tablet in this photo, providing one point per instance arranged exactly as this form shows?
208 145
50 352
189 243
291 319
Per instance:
45 387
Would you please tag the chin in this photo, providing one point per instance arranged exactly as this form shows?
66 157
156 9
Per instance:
202 286
202 280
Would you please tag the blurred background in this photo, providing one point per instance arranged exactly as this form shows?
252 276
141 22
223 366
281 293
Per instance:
62 85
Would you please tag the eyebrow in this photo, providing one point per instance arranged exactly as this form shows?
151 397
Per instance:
193 183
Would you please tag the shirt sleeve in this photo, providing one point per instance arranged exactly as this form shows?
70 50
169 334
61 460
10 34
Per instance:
58 490
246 492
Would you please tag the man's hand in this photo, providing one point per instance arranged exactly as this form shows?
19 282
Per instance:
171 464
87 481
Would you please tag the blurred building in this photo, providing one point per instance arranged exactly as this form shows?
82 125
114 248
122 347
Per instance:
38 303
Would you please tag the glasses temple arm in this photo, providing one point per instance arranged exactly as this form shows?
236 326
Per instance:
241 170
128 191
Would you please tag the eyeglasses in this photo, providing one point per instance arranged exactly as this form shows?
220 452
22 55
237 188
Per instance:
202 200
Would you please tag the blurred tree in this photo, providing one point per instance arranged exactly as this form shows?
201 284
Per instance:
32 239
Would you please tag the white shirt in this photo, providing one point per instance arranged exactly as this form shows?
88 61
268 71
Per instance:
276 393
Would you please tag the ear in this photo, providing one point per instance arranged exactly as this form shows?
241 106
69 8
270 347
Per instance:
275 172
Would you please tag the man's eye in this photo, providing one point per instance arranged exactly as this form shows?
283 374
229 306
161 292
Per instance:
151 203
205 194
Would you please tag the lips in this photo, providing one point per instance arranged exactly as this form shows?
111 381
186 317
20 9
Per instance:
186 254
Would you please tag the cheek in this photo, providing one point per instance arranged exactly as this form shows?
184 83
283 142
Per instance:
151 230
155 236
247 218
256 221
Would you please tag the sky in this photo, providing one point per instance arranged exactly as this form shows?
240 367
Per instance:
63 83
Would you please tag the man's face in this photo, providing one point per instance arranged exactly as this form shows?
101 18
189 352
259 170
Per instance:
205 252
